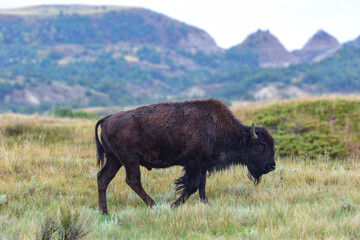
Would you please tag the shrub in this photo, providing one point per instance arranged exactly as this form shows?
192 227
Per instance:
312 127
66 225
68 113
48 228
149 55
72 225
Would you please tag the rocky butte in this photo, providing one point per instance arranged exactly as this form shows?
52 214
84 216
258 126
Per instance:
320 46
271 53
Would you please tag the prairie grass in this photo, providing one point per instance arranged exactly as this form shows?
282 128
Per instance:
48 181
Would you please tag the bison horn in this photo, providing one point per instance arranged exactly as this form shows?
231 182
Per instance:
253 133
261 124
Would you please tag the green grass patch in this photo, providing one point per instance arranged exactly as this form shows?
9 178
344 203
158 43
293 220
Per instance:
48 189
311 127
69 113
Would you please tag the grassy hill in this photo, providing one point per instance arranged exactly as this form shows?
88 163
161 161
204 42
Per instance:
89 56
48 176
311 126
81 24
110 55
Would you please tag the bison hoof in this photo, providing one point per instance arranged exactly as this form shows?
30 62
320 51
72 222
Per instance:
204 200
174 204
151 203
104 212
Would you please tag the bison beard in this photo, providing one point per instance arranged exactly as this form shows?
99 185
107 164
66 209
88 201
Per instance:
202 136
254 176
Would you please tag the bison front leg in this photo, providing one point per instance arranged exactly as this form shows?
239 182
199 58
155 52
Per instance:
104 177
133 180
187 184
202 194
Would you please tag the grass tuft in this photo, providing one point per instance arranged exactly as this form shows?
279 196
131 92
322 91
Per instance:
72 224
347 204
48 228
3 199
159 210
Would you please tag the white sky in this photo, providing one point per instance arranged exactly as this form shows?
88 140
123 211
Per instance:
293 22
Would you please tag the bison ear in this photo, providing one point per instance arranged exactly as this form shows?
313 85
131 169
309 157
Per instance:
261 124
253 133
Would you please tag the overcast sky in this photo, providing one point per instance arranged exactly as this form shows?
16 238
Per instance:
230 21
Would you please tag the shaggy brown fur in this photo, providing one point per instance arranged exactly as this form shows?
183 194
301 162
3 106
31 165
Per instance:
202 136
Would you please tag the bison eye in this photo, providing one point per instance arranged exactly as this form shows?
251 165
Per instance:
258 149
261 148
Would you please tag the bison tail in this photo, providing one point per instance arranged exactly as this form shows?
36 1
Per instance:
99 147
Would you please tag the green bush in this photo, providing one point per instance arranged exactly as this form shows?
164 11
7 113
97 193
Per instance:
48 228
149 55
312 127
44 133
68 224
72 224
68 113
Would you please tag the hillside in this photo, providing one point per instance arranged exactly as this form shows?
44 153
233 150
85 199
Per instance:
99 25
311 126
355 42
83 56
89 56
320 46
336 74
271 52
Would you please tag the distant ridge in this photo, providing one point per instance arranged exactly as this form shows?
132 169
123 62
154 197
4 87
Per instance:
270 51
105 25
89 56
319 46
355 42
53 10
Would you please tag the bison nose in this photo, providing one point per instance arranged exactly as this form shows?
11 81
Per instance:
271 167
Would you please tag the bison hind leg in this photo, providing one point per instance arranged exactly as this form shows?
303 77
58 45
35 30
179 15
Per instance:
104 177
202 193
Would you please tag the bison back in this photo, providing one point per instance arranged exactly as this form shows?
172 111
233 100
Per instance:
162 135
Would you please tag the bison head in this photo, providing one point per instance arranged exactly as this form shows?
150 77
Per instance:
260 154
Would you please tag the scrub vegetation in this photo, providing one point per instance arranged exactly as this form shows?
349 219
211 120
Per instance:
133 56
48 184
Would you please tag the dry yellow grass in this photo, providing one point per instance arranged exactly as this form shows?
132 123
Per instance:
51 163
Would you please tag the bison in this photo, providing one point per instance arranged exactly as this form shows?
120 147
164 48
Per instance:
202 136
